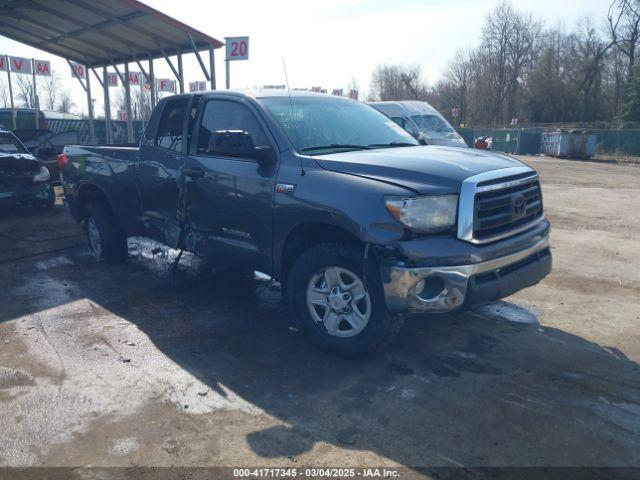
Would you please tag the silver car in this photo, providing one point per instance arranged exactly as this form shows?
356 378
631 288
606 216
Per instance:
422 121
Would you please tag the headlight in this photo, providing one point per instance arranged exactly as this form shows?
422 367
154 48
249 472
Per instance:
42 175
428 214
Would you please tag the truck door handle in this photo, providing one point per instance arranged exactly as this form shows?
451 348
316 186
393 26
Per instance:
193 172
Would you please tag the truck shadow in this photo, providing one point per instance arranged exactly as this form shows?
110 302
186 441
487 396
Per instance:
453 390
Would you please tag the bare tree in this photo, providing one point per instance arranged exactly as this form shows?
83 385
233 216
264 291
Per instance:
586 64
140 103
454 90
51 86
536 74
353 86
65 103
397 82
508 38
624 27
4 94
26 92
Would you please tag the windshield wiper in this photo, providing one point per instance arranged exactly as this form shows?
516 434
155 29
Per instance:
351 146
392 144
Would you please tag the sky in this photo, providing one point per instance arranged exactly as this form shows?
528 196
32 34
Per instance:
327 43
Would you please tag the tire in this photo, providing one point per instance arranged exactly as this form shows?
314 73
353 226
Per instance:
107 242
49 202
352 334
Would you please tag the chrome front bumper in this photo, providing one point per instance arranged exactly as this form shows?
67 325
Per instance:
446 288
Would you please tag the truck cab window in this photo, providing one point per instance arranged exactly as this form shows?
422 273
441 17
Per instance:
171 124
225 115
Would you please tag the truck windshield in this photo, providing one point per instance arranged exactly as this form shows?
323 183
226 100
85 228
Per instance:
322 125
10 144
432 123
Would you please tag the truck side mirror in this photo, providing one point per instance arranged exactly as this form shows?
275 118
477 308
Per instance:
238 143
265 155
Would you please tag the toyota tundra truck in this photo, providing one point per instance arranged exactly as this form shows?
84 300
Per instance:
359 223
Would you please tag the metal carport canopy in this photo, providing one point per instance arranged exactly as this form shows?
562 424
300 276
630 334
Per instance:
98 33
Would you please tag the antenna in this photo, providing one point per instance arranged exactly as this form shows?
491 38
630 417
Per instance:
293 118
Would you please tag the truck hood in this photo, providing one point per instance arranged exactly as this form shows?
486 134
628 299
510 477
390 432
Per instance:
428 169
18 164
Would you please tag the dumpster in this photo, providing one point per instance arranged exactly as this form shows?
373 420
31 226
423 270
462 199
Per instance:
516 141
569 144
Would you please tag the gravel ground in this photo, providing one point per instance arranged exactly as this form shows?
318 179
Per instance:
128 366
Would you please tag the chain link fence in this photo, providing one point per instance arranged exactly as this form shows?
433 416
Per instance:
527 140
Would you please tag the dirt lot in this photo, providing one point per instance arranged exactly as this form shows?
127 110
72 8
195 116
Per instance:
118 365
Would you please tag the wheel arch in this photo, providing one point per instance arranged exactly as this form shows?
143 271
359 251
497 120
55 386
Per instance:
306 235
88 192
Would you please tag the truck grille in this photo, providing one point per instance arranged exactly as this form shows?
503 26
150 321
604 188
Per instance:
502 207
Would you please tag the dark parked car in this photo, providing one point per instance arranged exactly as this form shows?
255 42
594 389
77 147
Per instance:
23 178
24 118
46 146
359 222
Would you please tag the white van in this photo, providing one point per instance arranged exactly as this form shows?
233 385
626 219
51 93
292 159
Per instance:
422 121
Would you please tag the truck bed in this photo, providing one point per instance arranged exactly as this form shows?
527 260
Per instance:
118 152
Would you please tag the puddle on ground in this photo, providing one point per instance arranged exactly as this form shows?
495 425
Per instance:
510 312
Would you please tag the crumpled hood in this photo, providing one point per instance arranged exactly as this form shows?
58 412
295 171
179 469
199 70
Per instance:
425 169
18 164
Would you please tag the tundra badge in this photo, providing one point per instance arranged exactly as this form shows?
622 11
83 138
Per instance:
284 188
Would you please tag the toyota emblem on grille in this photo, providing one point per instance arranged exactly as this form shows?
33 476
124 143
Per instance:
518 206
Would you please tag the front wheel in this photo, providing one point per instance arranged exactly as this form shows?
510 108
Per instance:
339 306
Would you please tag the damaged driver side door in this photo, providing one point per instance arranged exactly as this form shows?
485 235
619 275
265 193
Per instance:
159 170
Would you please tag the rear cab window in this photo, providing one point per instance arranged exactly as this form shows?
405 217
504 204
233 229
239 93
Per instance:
171 126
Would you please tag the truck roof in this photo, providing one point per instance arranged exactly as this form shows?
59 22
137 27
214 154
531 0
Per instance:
268 93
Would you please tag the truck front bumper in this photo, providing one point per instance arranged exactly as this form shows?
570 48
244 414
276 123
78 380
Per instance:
439 289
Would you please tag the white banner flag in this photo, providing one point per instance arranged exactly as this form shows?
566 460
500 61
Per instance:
199 86
112 79
135 79
166 85
20 65
77 70
43 67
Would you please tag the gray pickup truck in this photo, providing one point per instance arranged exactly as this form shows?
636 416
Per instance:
358 222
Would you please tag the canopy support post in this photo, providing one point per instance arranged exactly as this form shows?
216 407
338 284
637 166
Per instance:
152 79
36 103
212 67
180 72
13 110
92 127
127 96
107 106
195 50
173 69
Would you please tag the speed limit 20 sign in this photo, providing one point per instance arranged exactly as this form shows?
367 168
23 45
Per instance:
237 48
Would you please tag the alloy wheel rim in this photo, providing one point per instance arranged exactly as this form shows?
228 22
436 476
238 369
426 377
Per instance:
338 300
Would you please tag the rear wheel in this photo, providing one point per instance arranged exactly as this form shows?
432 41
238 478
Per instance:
340 308
106 240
